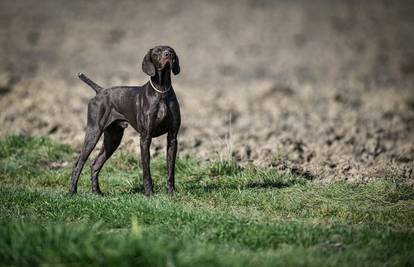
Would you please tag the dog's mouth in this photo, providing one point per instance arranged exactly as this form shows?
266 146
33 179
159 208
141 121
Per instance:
166 65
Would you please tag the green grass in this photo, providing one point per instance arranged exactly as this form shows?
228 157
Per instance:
222 215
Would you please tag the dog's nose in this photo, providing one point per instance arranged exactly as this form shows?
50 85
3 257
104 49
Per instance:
167 53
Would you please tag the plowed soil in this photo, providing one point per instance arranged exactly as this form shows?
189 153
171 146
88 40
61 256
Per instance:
323 88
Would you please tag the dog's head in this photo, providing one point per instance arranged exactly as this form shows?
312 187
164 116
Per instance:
160 58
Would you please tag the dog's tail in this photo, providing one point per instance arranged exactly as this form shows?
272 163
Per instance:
89 82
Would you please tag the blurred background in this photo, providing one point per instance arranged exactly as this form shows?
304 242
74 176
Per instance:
323 88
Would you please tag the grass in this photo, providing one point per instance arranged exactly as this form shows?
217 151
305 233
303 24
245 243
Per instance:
222 215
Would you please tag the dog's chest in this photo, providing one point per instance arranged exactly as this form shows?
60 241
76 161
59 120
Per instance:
162 113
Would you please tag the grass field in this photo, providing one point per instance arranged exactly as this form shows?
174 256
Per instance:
222 215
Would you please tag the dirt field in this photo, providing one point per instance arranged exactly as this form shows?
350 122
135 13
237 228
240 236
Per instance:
324 88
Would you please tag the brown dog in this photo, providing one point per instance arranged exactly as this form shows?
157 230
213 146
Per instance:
152 110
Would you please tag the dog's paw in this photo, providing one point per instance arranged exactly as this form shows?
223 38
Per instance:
97 192
171 191
72 192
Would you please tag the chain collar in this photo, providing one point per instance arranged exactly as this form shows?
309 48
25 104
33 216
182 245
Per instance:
159 91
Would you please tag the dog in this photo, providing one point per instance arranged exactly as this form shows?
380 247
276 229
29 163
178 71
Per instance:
152 110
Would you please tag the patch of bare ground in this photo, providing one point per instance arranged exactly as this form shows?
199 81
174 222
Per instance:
324 89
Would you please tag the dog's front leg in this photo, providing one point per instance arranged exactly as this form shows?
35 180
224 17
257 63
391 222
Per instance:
145 143
171 156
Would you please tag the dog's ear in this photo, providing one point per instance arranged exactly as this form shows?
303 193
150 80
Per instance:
176 65
147 65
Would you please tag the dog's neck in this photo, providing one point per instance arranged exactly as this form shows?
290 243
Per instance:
162 80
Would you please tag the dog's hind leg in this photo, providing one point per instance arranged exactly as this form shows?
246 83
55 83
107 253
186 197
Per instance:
92 136
112 138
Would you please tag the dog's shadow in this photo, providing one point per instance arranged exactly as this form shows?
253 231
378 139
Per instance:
137 189
201 182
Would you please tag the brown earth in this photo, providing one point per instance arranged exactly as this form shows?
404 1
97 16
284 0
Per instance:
318 87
